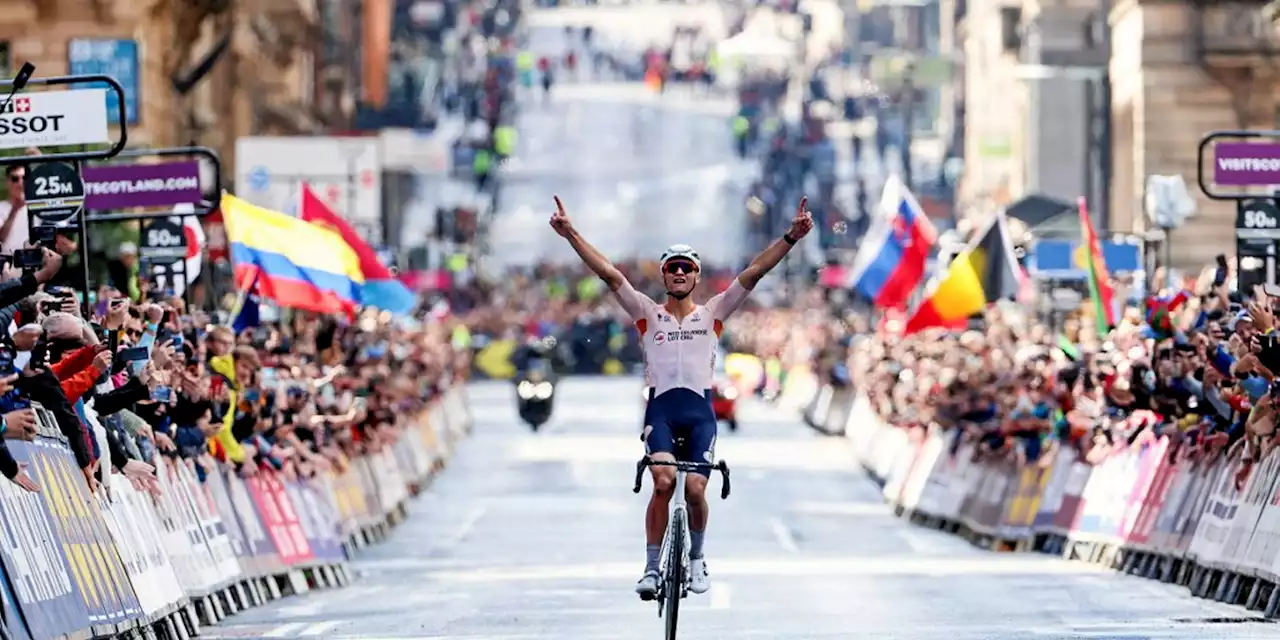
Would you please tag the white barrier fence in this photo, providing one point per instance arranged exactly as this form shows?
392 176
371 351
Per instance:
1146 509
123 562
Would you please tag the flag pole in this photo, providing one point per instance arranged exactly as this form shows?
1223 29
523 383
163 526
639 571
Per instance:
242 297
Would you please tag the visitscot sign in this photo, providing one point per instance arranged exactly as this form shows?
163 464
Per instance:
47 118
1246 164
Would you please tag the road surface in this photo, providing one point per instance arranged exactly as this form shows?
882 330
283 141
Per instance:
538 537
638 173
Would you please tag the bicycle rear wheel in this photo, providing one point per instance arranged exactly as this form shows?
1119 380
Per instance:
674 587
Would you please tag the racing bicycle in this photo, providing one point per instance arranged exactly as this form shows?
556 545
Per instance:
673 574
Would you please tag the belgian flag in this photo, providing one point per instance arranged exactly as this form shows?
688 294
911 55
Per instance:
984 272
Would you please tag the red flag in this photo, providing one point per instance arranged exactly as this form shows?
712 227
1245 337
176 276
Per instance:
315 211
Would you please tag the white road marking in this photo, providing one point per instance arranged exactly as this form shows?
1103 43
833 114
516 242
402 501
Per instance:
898 565
467 525
320 628
783 533
285 630
721 596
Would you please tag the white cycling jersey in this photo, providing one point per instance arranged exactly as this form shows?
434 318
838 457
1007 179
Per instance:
680 353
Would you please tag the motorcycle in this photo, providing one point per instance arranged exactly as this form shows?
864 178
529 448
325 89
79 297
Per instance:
535 393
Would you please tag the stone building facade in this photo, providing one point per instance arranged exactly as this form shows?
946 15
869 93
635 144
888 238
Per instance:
1180 70
265 82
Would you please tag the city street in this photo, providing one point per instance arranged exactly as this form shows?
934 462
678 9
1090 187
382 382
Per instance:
538 537
637 171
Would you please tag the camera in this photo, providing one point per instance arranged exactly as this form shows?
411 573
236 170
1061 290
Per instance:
28 258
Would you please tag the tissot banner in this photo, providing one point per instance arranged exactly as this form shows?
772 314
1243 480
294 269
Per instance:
124 186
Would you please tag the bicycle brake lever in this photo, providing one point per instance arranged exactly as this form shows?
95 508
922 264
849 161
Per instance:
724 476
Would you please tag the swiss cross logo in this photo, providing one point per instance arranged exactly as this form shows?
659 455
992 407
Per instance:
22 105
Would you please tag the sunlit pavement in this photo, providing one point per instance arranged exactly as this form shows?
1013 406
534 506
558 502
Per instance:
538 537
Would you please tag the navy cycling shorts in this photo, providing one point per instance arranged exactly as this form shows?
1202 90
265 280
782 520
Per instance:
682 414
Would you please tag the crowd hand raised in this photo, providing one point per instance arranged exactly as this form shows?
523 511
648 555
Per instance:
162 355
116 313
49 268
103 361
153 312
23 479
560 220
802 224
21 424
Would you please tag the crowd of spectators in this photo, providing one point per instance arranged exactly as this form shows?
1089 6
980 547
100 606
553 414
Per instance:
1197 366
128 382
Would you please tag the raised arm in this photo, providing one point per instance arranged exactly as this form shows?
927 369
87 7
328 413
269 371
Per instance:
774 253
591 256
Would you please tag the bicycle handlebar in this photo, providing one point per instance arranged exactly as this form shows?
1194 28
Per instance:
721 466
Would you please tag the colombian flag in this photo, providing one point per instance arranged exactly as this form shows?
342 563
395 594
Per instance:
381 288
984 272
1099 286
298 265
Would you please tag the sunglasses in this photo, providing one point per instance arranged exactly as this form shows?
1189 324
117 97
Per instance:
679 266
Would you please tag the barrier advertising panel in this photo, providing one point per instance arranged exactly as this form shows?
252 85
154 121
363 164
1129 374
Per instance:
79 564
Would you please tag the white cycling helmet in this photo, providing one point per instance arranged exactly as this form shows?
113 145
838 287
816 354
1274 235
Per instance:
681 251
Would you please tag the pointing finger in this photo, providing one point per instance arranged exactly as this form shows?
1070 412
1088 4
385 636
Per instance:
559 205
801 210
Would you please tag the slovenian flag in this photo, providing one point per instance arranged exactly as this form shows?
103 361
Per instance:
891 260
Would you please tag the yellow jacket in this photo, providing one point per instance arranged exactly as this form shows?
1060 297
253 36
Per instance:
226 367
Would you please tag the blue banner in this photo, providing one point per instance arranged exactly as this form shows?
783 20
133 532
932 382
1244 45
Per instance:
115 58
1064 259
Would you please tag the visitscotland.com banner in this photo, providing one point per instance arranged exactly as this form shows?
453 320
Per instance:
125 186
1246 164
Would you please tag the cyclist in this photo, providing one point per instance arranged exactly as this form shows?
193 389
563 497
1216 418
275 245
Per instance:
679 340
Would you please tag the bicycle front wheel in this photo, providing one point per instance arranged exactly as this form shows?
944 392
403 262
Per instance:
675 577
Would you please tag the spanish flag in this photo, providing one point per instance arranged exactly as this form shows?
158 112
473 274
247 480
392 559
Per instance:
984 272
292 262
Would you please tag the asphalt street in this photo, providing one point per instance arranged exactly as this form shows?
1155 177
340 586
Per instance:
638 171
538 537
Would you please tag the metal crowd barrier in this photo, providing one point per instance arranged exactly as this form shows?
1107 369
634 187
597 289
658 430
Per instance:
123 563
1141 510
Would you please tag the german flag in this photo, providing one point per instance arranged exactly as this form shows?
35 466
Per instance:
984 272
